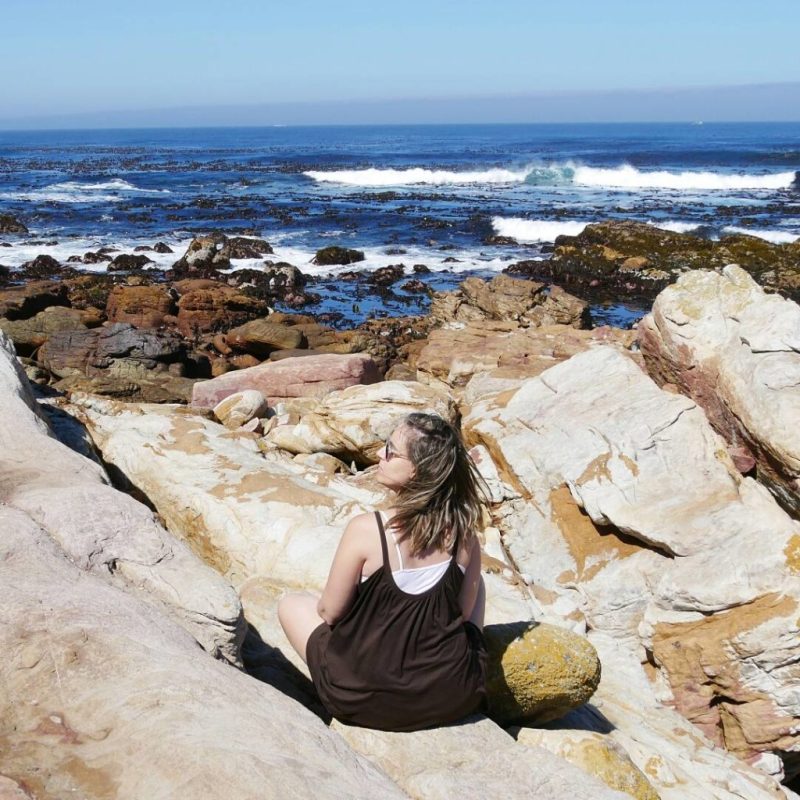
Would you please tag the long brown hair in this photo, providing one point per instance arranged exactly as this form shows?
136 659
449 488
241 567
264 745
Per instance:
441 504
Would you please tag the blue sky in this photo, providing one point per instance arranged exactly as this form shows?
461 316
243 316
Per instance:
92 56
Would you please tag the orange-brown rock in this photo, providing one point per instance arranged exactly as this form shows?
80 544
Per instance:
22 302
260 337
141 306
213 306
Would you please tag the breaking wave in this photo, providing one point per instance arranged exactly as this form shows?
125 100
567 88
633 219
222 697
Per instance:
78 192
621 177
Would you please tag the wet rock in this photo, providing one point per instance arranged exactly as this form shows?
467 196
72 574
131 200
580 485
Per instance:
141 306
41 268
9 224
203 257
636 259
161 247
385 276
95 257
421 269
275 282
244 247
125 262
22 302
415 286
314 376
329 256
260 337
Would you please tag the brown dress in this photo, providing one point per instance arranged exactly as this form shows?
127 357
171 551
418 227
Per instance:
399 661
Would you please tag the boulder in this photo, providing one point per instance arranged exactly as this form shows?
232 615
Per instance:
103 531
273 281
538 672
9 224
127 262
89 291
735 350
30 334
162 247
203 256
624 492
330 256
238 409
635 259
260 337
354 423
208 307
314 376
89 351
510 300
22 302
141 306
43 267
244 247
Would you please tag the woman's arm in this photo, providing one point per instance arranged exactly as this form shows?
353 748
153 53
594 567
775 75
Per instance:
472 580
340 590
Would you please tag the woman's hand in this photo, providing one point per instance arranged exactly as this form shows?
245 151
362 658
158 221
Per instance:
345 574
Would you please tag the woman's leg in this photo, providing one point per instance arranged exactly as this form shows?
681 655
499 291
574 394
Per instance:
479 609
298 616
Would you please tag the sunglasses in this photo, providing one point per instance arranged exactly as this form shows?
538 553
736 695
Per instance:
388 449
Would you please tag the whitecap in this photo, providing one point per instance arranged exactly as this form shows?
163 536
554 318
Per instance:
776 237
416 176
675 226
628 177
80 192
535 230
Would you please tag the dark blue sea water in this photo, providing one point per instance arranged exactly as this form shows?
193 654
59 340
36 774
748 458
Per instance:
428 195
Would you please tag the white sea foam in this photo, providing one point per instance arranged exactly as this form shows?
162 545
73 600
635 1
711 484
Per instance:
624 176
628 177
535 230
78 192
676 226
776 237
415 176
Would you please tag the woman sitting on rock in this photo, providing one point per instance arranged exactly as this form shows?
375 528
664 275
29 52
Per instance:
395 641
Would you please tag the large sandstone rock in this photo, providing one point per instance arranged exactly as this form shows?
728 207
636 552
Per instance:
507 299
455 353
102 530
106 699
208 306
22 302
538 672
736 351
141 306
312 376
29 334
353 423
633 258
254 524
628 505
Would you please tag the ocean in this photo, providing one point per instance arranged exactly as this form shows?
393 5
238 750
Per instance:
432 195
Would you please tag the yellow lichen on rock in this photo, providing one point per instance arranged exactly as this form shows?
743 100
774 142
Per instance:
538 671
593 753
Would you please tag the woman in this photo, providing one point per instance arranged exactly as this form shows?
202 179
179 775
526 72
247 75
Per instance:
395 641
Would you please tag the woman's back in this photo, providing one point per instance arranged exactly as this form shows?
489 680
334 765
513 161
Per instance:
400 661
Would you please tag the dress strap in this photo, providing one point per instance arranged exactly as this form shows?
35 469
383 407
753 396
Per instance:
384 548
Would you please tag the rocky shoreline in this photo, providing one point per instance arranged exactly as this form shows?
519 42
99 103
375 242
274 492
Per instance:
641 545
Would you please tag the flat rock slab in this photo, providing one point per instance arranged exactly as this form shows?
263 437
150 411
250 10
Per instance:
106 699
313 376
